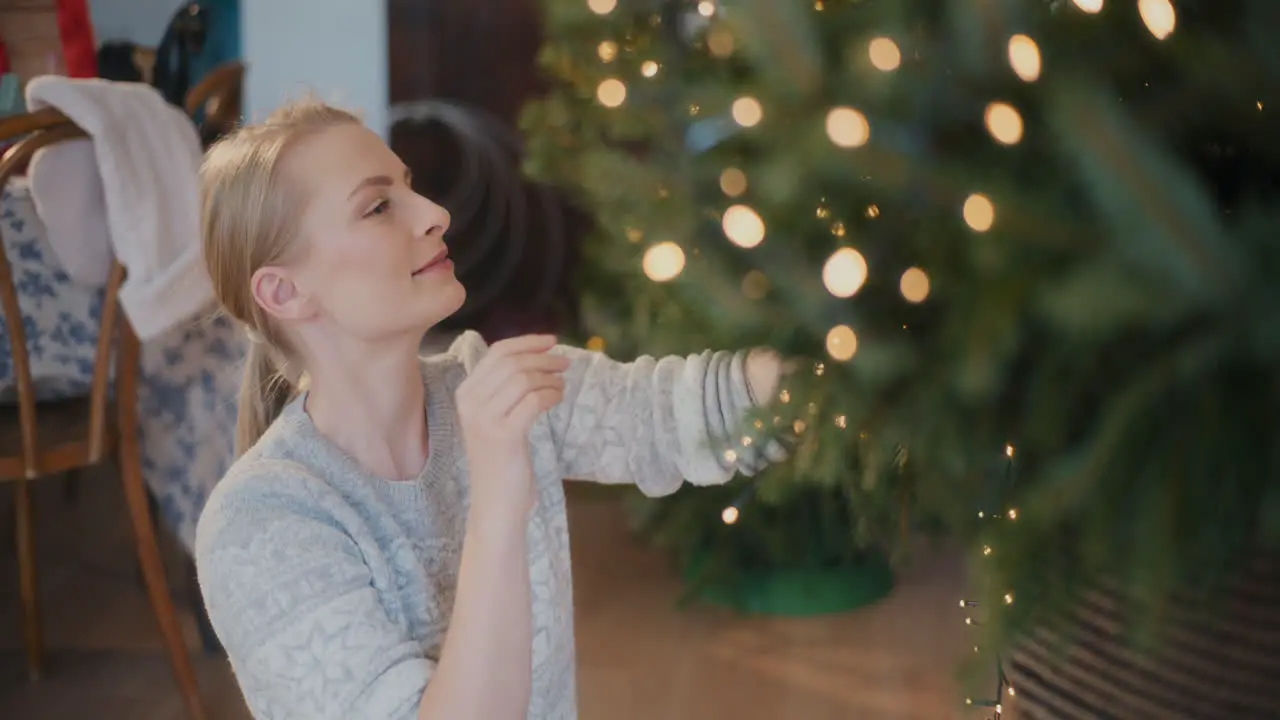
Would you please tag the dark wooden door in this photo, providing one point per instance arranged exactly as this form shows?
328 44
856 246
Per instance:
460 70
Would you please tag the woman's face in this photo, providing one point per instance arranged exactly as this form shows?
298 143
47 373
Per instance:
373 264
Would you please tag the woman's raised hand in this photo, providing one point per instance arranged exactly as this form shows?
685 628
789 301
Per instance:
514 383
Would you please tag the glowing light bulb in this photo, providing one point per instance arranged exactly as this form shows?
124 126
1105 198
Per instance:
747 112
611 92
842 344
1159 17
649 68
847 128
607 50
602 7
1008 450
979 212
729 515
720 41
884 54
663 262
743 226
1024 57
914 285
1004 123
844 272
706 8
1090 6
733 182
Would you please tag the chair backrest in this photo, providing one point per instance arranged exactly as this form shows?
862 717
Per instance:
215 104
38 130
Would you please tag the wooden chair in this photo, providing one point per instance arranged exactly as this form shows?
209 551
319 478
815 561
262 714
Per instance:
40 439
219 95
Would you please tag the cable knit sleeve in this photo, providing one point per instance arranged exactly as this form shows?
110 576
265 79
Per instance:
654 422
296 606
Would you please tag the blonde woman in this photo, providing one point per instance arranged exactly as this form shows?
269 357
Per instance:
392 540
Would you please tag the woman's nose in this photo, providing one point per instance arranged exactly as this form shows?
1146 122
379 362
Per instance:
434 218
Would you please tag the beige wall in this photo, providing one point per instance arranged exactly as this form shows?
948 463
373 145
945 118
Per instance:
30 32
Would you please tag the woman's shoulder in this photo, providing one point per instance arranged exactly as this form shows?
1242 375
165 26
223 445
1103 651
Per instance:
262 496
448 360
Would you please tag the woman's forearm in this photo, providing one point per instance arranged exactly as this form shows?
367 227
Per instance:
485 666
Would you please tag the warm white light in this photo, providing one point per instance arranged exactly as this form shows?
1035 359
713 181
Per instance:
743 226
1024 57
607 50
733 182
611 92
979 212
663 262
729 515
602 7
847 128
842 344
706 8
914 285
649 68
884 54
747 111
1004 123
720 41
844 272
1158 16
1089 6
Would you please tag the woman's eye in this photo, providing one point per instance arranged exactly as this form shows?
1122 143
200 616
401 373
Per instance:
382 207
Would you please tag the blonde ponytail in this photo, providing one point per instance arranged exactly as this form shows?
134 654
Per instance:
248 221
264 392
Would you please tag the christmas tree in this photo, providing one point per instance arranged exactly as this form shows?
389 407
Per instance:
1023 249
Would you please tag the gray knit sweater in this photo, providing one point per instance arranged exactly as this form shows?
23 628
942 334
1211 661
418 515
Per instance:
332 589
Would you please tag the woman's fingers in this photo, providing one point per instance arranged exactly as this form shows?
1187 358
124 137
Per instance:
517 388
494 371
534 404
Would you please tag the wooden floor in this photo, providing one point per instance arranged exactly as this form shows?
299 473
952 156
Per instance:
639 656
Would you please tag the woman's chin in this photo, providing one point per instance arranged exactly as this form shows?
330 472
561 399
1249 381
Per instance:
445 298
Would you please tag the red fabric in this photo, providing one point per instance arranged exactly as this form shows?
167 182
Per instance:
75 29
4 59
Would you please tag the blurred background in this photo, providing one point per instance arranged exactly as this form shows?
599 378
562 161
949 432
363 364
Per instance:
1021 251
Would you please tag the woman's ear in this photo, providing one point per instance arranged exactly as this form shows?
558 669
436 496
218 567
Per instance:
276 292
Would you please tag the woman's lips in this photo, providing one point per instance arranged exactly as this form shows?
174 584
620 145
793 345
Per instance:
439 262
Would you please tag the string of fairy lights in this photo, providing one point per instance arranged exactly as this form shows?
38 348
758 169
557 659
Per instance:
845 270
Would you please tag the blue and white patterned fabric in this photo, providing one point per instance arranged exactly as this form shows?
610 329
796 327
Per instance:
189 379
